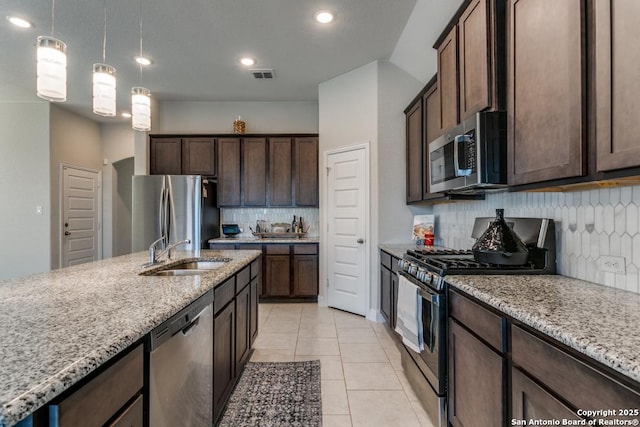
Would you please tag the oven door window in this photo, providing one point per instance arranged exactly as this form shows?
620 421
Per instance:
432 334
442 166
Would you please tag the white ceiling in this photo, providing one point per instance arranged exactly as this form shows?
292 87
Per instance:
196 44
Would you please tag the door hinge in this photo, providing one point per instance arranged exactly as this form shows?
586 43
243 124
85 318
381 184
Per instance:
328 169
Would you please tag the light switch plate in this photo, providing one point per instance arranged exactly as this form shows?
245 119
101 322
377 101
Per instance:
612 264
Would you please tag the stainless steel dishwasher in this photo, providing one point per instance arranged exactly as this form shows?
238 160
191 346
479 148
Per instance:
181 368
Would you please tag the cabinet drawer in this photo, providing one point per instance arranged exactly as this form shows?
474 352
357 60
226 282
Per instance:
581 385
484 323
223 294
276 249
132 417
305 249
249 246
385 259
96 402
256 267
243 278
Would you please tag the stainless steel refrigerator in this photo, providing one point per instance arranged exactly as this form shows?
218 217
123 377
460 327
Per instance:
174 207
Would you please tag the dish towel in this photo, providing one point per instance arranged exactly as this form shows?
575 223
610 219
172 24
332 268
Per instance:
409 321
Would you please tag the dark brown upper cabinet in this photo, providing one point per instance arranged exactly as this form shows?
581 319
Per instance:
254 172
280 172
199 156
414 152
306 171
475 66
546 90
617 93
229 172
430 131
165 156
448 79
182 156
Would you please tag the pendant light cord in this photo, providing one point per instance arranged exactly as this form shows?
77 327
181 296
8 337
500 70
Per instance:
104 39
140 65
53 16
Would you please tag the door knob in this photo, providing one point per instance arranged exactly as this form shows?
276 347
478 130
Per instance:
360 241
67 233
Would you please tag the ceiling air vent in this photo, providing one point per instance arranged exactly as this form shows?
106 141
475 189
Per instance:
263 74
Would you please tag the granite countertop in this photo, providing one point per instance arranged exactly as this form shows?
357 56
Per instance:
59 326
257 240
598 321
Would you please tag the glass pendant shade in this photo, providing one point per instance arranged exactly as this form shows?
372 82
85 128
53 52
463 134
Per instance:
104 90
51 69
141 109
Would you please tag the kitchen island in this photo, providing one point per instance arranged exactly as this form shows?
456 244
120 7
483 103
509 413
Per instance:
59 327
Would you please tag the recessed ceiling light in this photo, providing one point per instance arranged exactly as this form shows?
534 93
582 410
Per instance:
324 17
126 115
142 60
19 22
247 61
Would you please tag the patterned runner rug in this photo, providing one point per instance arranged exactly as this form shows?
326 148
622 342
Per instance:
274 394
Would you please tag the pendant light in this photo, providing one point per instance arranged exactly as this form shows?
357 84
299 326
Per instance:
51 70
140 98
104 81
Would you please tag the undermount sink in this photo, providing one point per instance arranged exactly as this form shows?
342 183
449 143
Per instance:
189 268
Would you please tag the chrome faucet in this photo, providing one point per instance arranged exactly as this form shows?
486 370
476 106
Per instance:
155 258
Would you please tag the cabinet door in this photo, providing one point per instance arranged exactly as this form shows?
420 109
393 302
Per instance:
306 171
385 294
474 42
394 300
243 314
165 156
617 60
199 156
223 357
414 153
229 172
280 172
305 275
277 276
530 401
448 80
253 314
254 172
476 381
430 131
546 90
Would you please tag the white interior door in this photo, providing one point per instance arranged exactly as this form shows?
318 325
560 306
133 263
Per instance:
81 216
347 229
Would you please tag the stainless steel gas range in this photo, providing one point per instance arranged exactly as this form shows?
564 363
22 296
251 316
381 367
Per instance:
427 269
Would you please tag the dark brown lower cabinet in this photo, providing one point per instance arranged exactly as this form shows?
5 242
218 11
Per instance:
385 294
223 357
253 316
243 314
305 275
476 381
530 401
277 281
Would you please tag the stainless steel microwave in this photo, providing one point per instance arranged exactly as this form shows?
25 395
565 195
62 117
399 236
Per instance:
471 157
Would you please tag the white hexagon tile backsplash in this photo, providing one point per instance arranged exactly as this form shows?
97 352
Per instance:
590 225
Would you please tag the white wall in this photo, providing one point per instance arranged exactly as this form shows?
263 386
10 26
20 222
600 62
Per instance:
347 115
118 142
366 105
217 117
24 185
75 140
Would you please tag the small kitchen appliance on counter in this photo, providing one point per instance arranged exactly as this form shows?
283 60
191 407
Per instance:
427 269
230 230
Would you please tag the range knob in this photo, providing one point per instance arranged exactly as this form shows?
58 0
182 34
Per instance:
402 264
413 269
421 274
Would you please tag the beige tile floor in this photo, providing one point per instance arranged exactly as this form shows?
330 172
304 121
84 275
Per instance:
363 383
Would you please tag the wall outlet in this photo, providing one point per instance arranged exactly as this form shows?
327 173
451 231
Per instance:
612 264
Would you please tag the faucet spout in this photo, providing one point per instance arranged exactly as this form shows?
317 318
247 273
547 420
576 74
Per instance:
152 251
173 246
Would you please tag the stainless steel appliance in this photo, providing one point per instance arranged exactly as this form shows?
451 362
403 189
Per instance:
428 269
471 156
181 367
174 207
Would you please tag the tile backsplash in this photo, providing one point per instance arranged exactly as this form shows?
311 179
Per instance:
589 224
246 217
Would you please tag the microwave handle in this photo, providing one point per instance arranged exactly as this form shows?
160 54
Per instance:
460 139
